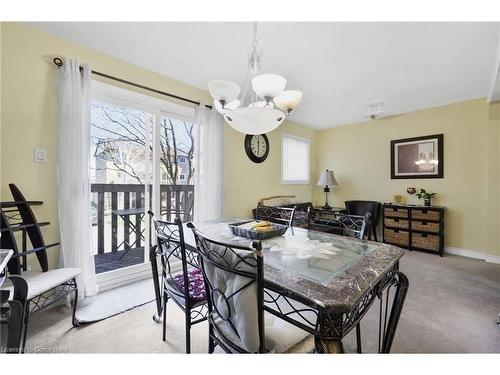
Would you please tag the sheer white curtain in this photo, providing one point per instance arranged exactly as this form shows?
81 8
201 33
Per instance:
73 88
208 181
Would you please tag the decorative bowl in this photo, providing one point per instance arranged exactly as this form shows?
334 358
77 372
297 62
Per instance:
237 230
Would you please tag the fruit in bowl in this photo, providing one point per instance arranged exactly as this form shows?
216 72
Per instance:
263 226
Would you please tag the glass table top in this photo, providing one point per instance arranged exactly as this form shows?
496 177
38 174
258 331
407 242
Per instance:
313 255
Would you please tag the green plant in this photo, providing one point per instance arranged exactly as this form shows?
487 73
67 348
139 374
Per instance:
425 195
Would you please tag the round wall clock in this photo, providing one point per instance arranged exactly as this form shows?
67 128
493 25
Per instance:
257 147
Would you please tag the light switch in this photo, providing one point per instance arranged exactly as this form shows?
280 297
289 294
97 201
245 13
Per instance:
40 155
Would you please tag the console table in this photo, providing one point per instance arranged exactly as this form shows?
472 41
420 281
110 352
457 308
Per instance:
414 227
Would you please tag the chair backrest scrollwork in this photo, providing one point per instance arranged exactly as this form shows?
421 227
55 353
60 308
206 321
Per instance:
337 223
279 215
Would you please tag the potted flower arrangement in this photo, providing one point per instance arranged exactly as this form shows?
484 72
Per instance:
426 196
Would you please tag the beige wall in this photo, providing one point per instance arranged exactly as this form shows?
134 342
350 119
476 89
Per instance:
493 196
358 153
1 27
360 156
29 121
247 182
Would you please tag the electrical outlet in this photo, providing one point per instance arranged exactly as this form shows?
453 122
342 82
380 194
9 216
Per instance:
40 155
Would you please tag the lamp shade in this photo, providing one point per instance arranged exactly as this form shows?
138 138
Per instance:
327 178
224 90
254 120
268 85
288 99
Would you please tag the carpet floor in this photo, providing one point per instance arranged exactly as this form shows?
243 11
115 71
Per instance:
452 306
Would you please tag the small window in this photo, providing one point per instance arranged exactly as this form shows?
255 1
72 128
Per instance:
295 160
182 177
182 160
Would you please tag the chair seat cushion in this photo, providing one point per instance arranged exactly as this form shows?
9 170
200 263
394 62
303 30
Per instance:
41 282
196 284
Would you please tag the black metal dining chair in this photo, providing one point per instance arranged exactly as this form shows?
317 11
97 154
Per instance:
369 209
185 287
12 305
279 215
234 281
337 223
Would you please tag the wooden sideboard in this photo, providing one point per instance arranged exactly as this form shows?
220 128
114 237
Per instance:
414 227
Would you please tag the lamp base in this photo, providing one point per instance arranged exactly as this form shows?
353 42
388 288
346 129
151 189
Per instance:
326 190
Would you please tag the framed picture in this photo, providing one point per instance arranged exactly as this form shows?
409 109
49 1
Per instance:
419 157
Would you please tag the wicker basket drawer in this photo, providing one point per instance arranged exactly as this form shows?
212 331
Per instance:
396 237
425 241
423 214
425 226
396 223
395 212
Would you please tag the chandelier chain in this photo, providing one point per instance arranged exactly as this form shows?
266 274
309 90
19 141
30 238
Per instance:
254 42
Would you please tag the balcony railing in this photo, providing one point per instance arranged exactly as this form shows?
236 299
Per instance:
109 199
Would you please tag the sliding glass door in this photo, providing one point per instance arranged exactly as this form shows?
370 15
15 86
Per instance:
142 159
120 173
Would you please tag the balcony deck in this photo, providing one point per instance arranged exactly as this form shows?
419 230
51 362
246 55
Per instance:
111 261
119 218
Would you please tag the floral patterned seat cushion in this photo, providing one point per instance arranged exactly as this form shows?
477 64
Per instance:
196 284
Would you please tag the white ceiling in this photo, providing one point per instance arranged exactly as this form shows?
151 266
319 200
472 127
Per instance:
340 67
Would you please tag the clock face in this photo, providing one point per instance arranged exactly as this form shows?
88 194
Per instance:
257 147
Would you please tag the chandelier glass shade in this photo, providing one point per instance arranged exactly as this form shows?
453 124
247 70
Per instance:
253 111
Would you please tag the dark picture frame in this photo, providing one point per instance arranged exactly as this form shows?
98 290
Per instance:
417 157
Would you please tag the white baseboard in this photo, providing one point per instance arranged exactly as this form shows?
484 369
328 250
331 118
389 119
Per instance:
464 253
492 259
472 254
124 276
111 283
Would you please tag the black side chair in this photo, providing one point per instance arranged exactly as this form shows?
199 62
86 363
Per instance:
12 305
279 215
361 208
336 223
234 281
45 287
170 248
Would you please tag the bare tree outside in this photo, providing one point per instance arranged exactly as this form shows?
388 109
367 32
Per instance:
118 141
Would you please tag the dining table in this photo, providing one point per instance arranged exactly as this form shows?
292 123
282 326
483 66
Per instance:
324 283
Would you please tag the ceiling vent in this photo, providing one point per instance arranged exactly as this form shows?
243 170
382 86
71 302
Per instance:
375 110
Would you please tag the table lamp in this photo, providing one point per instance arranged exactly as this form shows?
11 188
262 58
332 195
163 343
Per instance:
327 179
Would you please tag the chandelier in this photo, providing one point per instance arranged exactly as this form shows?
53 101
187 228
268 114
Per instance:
426 162
254 111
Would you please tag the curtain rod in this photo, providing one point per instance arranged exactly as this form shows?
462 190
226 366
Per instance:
60 63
